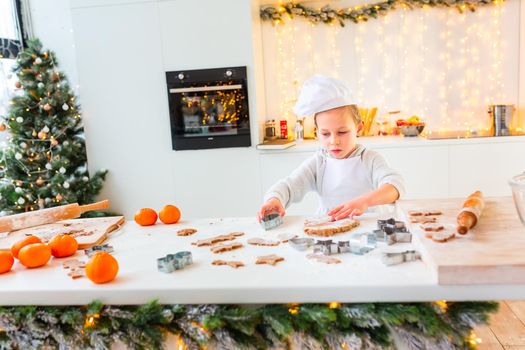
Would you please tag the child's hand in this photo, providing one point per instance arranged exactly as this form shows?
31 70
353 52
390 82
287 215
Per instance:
272 204
349 209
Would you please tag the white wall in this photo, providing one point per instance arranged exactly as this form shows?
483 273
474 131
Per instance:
123 50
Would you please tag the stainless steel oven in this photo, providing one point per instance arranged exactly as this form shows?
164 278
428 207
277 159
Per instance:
209 108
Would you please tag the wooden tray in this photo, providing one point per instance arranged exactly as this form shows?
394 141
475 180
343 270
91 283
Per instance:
491 253
88 232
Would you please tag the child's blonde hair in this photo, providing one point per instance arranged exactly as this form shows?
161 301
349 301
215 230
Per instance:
353 110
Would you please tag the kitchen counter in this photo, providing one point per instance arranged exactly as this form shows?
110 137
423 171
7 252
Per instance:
297 279
378 142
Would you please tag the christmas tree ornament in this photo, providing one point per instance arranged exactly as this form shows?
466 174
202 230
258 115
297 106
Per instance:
18 156
85 178
19 190
47 107
18 85
55 76
40 181
66 185
19 119
19 183
42 135
65 106
45 129
23 145
62 170
21 200
2 127
38 76
49 166
33 133
40 85
54 142
41 203
38 60
47 200
59 197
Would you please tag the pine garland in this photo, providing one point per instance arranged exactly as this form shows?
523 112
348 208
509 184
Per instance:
362 13
314 326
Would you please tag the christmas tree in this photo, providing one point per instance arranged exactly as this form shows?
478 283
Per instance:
43 163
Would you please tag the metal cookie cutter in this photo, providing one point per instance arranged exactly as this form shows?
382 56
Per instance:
326 247
172 262
98 248
301 243
271 220
390 259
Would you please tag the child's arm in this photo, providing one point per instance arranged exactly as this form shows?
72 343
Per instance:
292 188
385 194
389 186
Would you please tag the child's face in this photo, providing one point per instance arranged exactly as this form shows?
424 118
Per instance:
337 131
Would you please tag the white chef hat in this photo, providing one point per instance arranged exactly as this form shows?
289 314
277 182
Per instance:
320 93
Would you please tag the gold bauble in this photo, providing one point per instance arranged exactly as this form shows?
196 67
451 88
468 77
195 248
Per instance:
42 135
59 197
39 181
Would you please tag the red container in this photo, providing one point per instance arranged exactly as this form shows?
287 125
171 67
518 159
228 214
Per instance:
284 129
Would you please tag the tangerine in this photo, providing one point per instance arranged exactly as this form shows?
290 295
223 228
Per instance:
146 217
34 255
170 214
15 249
102 267
6 261
63 245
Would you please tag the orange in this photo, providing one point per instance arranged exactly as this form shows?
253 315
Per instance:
6 261
102 267
63 245
34 255
146 217
170 214
22 243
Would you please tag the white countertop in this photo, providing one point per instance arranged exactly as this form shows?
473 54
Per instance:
378 142
297 279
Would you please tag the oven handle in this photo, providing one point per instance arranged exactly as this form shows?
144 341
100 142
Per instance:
206 88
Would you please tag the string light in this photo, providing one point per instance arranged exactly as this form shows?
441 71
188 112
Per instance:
473 339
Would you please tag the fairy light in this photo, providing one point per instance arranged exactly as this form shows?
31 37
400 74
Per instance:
90 320
380 48
334 305
293 309
402 46
361 61
473 339
442 304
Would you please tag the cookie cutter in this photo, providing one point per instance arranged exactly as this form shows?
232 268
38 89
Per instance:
391 231
271 220
326 247
98 248
365 239
301 243
172 262
390 259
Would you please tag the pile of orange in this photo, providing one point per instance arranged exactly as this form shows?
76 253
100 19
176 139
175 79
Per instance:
169 214
102 267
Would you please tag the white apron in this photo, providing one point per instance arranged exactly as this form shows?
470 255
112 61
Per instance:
343 180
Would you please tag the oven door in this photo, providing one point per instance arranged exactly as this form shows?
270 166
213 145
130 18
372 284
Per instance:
209 115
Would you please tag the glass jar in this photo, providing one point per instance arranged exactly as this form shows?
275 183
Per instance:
270 133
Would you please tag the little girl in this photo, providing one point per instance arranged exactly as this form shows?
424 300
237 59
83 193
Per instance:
347 177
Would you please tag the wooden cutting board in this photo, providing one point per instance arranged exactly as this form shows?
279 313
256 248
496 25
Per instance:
88 232
491 253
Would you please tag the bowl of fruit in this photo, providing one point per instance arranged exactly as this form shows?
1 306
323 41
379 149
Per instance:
412 126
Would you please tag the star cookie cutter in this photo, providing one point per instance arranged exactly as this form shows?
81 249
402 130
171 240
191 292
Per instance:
98 248
172 262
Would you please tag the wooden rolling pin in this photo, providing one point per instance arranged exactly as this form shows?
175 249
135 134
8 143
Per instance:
468 217
47 216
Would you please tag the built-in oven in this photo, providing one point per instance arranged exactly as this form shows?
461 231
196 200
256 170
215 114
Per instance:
209 108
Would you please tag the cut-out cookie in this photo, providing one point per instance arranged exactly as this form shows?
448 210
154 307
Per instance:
234 264
263 242
269 259
186 232
217 239
221 248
